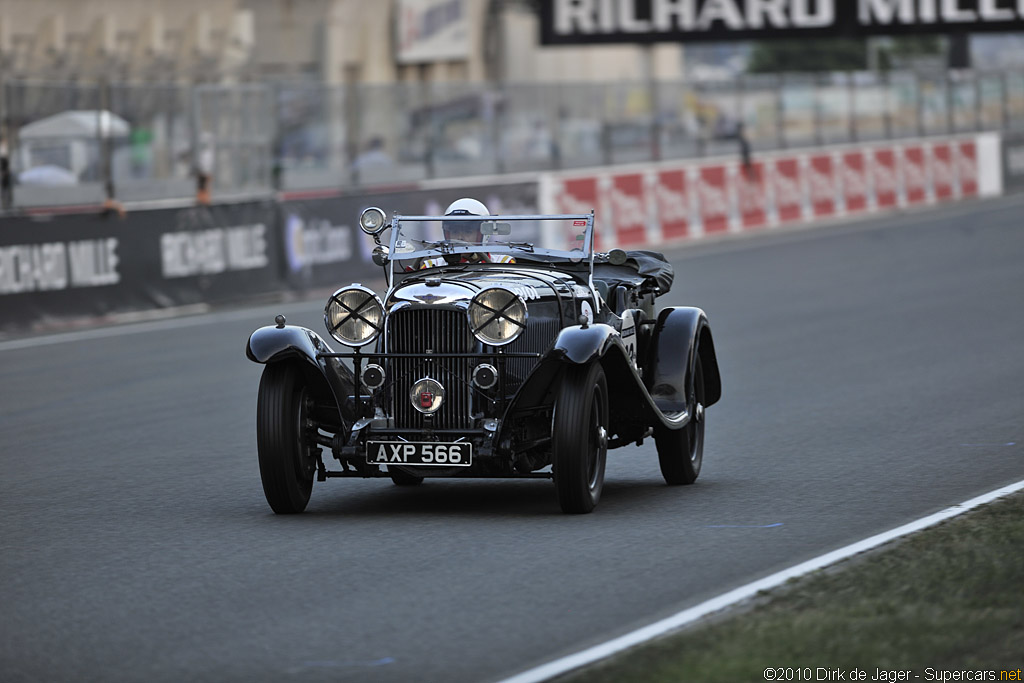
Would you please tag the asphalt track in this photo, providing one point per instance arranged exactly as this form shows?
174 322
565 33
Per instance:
873 374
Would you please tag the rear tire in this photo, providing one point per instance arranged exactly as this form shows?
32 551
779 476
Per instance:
579 440
287 461
681 451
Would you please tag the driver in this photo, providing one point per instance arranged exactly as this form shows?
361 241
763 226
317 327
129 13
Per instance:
464 231
467 232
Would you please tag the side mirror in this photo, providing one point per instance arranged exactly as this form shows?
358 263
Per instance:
372 221
380 255
617 257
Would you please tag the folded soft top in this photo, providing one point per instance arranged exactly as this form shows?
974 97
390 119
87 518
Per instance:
640 265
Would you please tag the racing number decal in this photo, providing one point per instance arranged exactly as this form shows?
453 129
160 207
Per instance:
586 312
629 335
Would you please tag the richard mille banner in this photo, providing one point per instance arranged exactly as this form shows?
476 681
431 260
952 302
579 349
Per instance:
574 22
84 266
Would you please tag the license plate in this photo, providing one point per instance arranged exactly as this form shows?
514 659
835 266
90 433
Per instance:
419 453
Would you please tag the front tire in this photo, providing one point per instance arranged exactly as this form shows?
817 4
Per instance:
286 459
681 451
579 439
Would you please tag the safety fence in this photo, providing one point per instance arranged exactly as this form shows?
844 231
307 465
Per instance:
57 269
75 143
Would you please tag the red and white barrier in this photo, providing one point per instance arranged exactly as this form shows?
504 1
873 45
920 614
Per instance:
654 204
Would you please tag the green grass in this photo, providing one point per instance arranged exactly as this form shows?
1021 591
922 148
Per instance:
950 598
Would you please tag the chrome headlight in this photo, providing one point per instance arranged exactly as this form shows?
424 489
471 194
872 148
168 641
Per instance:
354 315
372 221
497 316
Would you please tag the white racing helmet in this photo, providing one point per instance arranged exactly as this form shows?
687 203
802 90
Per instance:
464 229
465 206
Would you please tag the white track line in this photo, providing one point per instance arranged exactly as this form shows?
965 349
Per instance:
687 616
168 321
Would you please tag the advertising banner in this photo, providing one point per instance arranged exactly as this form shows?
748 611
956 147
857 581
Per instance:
821 185
90 265
751 197
713 198
55 268
576 22
775 188
324 247
672 203
431 30
789 195
627 201
915 176
854 181
967 168
1013 161
942 172
576 195
884 177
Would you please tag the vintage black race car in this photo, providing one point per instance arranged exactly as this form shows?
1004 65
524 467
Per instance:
518 353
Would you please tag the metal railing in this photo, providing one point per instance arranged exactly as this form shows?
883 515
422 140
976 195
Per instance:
77 143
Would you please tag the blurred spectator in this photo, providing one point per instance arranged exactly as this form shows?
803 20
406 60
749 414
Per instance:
141 152
277 169
6 181
373 157
540 145
741 138
111 206
204 168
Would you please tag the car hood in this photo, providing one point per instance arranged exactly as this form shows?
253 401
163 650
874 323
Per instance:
454 287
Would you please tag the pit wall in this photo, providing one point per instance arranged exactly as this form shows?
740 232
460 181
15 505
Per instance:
673 202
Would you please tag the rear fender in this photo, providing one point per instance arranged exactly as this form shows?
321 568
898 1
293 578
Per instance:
329 378
679 333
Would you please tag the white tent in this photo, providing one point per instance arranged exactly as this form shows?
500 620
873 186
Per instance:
47 175
81 123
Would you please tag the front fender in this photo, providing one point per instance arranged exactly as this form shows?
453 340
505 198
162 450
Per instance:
575 345
271 344
580 345
329 376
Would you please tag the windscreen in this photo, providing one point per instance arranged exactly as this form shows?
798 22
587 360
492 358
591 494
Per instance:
419 242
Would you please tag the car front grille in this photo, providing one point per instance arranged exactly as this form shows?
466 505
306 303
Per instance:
430 331
536 338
